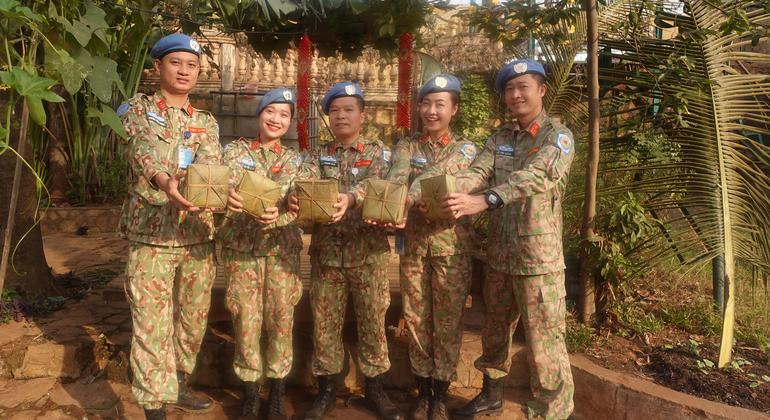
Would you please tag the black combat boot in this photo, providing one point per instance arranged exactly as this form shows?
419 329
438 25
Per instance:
324 401
155 413
438 410
250 408
187 400
489 400
422 408
376 397
275 401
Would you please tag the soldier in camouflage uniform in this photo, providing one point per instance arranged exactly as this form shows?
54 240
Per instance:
261 257
524 168
169 238
435 264
349 256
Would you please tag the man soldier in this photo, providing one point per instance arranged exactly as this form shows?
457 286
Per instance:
169 238
523 168
349 256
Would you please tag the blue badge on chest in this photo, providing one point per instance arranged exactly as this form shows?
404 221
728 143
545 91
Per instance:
157 119
327 161
248 163
505 150
419 161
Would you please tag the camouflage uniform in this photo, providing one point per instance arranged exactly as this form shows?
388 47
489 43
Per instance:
349 256
436 264
262 265
528 169
166 242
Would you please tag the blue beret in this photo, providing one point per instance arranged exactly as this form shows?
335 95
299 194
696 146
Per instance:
339 90
515 69
279 95
173 43
440 83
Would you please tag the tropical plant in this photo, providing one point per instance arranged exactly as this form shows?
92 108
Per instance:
692 89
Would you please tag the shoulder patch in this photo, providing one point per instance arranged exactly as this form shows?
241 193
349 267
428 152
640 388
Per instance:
468 150
122 109
564 142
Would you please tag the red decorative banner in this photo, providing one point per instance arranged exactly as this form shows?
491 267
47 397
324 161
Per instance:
303 90
405 61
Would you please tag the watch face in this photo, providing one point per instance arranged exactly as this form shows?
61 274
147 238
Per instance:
491 198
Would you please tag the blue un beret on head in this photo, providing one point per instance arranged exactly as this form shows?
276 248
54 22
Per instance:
339 90
515 69
440 83
173 43
279 95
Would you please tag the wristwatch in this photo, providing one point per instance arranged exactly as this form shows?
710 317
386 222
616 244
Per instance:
493 200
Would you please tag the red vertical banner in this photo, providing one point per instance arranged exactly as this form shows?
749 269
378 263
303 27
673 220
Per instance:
303 90
405 62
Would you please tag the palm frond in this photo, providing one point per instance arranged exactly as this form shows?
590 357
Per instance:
690 89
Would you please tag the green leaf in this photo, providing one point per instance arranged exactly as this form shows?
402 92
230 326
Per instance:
30 85
358 6
36 111
104 74
93 19
77 29
108 117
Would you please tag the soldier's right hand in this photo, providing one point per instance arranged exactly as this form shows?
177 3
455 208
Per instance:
293 204
169 184
234 201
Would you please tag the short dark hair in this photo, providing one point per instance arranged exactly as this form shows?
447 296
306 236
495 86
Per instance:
455 97
539 77
361 103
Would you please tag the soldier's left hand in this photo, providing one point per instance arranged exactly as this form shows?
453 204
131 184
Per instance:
270 216
460 204
234 201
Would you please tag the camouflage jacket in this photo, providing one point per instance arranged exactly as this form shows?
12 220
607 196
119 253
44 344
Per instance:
157 135
528 169
349 242
419 157
242 232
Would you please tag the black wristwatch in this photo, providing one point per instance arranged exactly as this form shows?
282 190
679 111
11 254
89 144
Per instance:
493 200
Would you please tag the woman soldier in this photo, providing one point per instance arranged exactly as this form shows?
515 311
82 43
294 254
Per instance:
435 263
261 257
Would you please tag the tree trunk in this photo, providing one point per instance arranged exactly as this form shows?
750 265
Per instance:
28 272
58 174
587 302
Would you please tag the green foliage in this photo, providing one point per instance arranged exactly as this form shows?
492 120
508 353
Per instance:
579 336
473 117
633 320
696 317
333 25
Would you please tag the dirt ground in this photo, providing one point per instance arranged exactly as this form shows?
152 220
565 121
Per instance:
677 346
91 337
73 363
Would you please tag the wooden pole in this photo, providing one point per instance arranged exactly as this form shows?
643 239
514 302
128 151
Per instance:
20 149
587 302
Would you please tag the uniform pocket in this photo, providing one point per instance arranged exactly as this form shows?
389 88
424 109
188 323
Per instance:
551 306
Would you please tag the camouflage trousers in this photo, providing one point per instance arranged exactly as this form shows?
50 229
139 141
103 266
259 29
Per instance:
369 286
434 290
262 291
540 301
169 290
